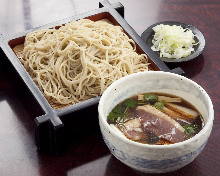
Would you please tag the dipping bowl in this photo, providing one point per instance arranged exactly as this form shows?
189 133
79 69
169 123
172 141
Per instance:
155 158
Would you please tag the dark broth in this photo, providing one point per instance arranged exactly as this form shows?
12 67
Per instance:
148 118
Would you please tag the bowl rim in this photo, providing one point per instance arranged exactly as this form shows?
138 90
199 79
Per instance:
204 130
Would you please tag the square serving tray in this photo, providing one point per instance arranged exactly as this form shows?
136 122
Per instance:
51 132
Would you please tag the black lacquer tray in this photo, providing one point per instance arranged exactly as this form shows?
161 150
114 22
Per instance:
51 127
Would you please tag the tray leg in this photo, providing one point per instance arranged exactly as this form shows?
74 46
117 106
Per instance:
42 136
49 135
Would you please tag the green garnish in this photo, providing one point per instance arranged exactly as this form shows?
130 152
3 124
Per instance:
159 105
151 98
112 116
130 103
118 111
190 129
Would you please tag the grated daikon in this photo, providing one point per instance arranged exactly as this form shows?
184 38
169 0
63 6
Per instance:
173 41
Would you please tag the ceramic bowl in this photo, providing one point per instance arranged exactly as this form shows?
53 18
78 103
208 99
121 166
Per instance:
155 158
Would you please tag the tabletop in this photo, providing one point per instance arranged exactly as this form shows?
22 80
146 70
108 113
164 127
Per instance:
86 152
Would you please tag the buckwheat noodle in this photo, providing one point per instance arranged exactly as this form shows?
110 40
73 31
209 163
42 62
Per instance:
80 60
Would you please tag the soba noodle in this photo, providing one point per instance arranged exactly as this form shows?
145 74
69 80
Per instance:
80 60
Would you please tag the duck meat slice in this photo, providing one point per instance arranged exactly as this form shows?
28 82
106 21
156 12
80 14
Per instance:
160 124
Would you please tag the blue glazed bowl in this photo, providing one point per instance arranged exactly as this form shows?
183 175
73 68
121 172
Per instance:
155 158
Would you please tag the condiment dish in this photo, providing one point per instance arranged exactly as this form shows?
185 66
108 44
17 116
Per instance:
148 35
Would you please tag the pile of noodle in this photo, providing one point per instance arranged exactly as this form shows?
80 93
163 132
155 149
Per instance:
80 60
